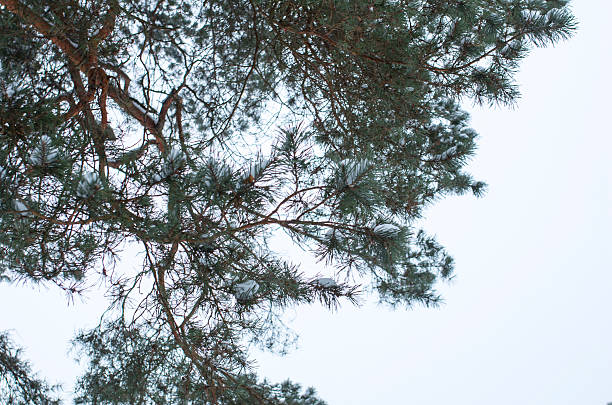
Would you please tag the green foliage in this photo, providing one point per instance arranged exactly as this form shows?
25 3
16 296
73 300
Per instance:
189 133
129 366
18 386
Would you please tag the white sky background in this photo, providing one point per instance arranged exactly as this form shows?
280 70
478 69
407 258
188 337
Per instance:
528 317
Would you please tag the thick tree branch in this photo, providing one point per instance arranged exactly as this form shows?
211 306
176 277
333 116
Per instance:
161 120
46 29
90 121
108 25
82 62
103 32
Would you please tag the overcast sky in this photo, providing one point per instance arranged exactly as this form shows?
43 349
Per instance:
528 317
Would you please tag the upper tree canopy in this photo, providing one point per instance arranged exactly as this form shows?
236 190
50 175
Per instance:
194 130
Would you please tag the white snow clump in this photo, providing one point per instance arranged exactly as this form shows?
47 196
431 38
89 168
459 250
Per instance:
446 154
386 230
44 153
353 170
325 282
173 162
89 184
21 209
245 291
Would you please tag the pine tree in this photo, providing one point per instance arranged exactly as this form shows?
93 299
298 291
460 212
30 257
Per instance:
191 132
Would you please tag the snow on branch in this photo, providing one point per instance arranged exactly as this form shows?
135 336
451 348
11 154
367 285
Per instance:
89 184
246 290
174 162
21 208
325 282
353 171
386 230
44 153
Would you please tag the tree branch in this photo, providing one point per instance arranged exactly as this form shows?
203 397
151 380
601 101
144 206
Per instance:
81 61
